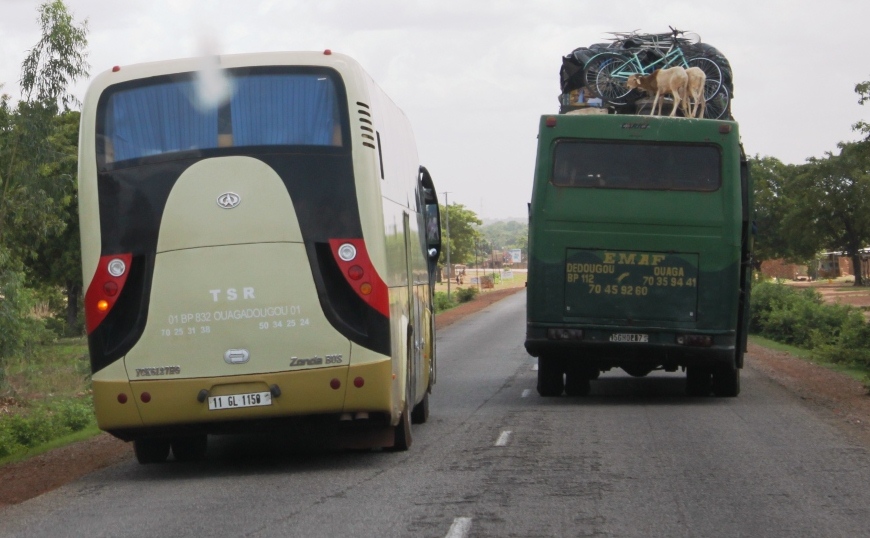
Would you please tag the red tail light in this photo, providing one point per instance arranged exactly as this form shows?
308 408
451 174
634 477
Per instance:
353 260
105 288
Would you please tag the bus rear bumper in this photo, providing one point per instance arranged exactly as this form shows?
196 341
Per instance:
156 407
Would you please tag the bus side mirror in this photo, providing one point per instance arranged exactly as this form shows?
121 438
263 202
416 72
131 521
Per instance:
433 230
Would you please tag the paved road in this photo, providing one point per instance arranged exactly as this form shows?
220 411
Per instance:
636 458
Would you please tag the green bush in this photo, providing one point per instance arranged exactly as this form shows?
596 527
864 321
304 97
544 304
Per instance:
43 423
75 415
796 317
442 303
8 442
464 295
850 346
799 317
20 331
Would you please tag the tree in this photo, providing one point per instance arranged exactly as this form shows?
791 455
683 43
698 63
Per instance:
505 235
770 177
57 60
463 233
863 91
830 204
55 260
37 170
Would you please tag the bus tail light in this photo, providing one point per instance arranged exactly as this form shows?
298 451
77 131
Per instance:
105 288
356 266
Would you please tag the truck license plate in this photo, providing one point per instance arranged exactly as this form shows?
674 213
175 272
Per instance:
235 401
629 337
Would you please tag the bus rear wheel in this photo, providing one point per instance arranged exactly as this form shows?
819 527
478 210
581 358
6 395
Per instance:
190 448
402 432
151 450
550 376
420 414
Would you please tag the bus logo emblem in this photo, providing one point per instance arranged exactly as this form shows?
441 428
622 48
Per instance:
236 356
228 200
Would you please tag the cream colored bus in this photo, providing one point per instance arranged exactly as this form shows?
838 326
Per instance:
258 245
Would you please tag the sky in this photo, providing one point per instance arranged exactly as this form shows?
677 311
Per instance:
474 76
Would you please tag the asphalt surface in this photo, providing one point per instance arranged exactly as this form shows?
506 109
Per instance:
635 458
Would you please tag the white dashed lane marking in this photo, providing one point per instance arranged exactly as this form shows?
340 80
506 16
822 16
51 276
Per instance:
460 528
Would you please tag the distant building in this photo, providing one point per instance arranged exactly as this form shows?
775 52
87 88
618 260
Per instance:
783 270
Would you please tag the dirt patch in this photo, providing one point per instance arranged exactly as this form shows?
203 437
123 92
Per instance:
34 476
845 398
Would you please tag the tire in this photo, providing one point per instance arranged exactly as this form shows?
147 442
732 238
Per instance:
713 73
190 448
577 385
610 81
726 381
577 379
402 434
590 69
719 107
609 87
697 381
420 414
550 372
151 450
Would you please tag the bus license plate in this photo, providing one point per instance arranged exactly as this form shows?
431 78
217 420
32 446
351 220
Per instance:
629 337
235 401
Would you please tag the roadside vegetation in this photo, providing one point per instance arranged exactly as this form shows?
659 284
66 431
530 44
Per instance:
45 396
831 334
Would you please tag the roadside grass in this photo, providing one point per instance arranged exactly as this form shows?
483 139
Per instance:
45 399
858 372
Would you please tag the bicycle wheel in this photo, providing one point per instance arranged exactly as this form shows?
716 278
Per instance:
590 70
713 73
611 79
719 106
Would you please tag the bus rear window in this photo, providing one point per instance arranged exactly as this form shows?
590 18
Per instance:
183 113
644 166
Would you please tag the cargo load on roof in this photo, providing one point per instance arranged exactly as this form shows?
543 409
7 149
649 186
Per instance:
596 76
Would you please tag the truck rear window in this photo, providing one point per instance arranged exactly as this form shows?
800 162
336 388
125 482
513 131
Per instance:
637 165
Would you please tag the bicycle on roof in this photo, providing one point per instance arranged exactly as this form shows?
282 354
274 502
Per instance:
608 72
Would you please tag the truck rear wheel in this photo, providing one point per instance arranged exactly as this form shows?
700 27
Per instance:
697 381
550 376
577 379
726 381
